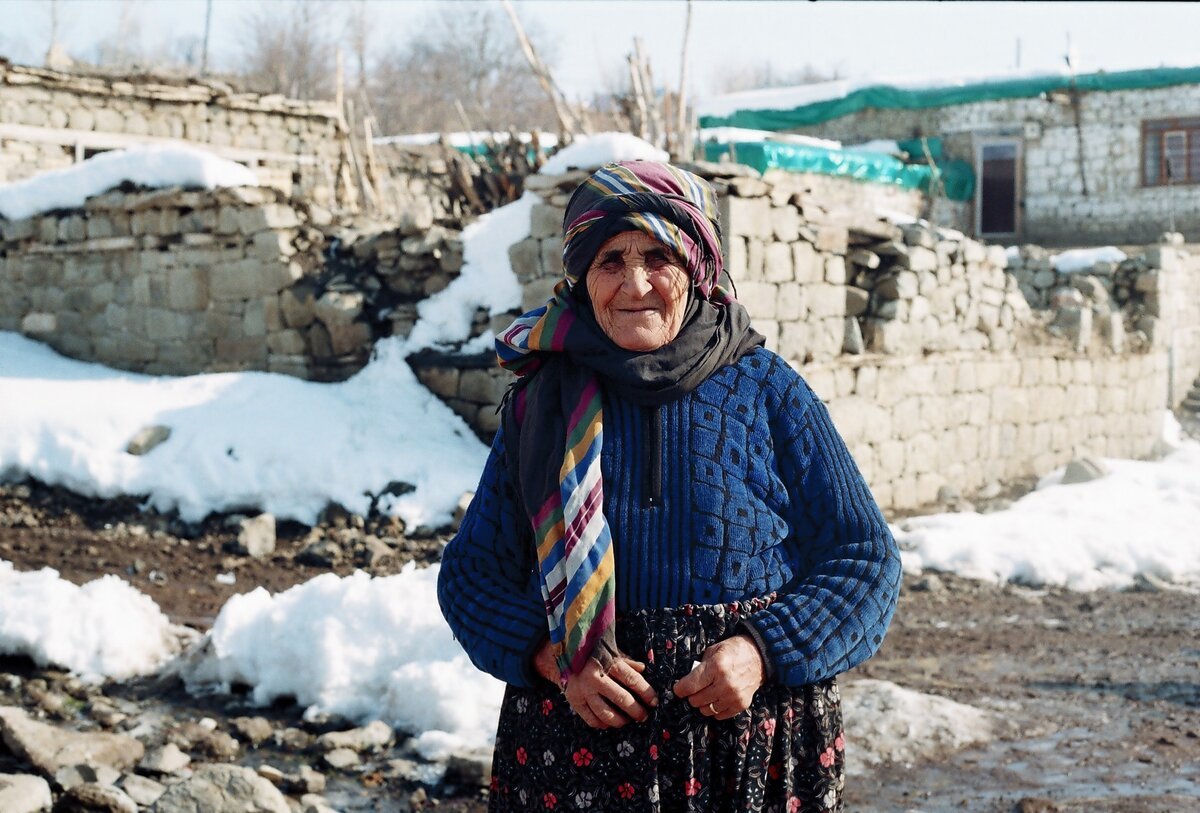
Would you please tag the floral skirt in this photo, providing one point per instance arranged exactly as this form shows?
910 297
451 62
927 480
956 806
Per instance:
784 753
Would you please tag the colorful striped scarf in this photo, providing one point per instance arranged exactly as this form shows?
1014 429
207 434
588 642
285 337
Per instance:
564 362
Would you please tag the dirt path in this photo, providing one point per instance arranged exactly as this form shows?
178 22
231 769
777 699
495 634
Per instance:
1098 694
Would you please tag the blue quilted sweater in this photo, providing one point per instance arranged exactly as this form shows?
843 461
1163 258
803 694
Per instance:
738 489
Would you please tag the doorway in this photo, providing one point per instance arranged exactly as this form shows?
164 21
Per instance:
997 196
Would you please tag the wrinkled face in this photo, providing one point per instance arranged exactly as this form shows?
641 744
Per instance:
638 289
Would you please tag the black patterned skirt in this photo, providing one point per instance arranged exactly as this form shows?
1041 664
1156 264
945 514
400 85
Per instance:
784 753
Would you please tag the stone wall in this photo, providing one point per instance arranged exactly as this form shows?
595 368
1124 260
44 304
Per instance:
50 119
1055 210
177 282
921 341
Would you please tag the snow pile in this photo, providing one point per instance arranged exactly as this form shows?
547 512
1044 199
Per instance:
486 281
591 152
237 440
362 647
151 166
1082 259
105 628
887 723
1140 518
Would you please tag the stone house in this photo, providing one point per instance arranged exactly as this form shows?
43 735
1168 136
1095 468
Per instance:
1059 159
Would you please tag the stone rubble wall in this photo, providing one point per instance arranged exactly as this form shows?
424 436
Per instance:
50 120
175 282
1117 207
936 369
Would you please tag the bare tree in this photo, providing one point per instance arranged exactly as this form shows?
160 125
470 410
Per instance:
464 53
732 78
123 49
286 49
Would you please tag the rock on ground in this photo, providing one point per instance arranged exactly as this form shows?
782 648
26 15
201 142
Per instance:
222 789
92 798
371 737
893 724
142 790
20 793
49 749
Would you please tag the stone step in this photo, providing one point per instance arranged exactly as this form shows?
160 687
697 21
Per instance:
1191 404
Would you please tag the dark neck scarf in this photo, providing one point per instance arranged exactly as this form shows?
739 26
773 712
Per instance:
564 361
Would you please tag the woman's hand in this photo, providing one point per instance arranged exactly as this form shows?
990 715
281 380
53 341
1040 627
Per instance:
603 699
724 683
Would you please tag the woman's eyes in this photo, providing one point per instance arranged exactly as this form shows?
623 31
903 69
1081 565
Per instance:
653 261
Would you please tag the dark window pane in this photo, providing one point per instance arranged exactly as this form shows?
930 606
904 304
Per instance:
1194 155
1175 156
1152 155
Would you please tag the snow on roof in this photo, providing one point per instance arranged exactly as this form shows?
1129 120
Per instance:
803 105
594 151
466 139
725 135
152 166
787 98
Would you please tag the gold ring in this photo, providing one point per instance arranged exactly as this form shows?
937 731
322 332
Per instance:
712 708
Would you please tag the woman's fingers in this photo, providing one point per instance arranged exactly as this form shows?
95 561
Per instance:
695 680
628 674
623 701
603 709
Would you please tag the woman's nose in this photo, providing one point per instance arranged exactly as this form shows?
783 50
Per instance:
637 279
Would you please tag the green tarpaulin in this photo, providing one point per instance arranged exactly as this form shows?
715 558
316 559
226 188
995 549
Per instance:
885 97
957 177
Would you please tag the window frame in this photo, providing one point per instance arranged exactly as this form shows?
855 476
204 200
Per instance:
1159 129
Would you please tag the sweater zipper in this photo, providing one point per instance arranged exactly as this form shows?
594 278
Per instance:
652 429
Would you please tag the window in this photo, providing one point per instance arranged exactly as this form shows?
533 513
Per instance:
1171 152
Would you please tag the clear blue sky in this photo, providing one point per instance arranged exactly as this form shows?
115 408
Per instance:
591 38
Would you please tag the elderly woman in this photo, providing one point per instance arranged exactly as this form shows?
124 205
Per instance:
671 554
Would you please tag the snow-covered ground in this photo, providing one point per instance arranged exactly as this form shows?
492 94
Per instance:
153 166
1142 518
238 440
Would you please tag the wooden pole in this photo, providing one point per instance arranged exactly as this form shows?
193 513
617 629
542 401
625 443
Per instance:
683 135
639 98
207 29
567 122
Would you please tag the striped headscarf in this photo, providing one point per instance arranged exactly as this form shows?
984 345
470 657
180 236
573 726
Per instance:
554 422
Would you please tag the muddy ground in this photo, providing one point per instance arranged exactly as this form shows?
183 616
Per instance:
1098 694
